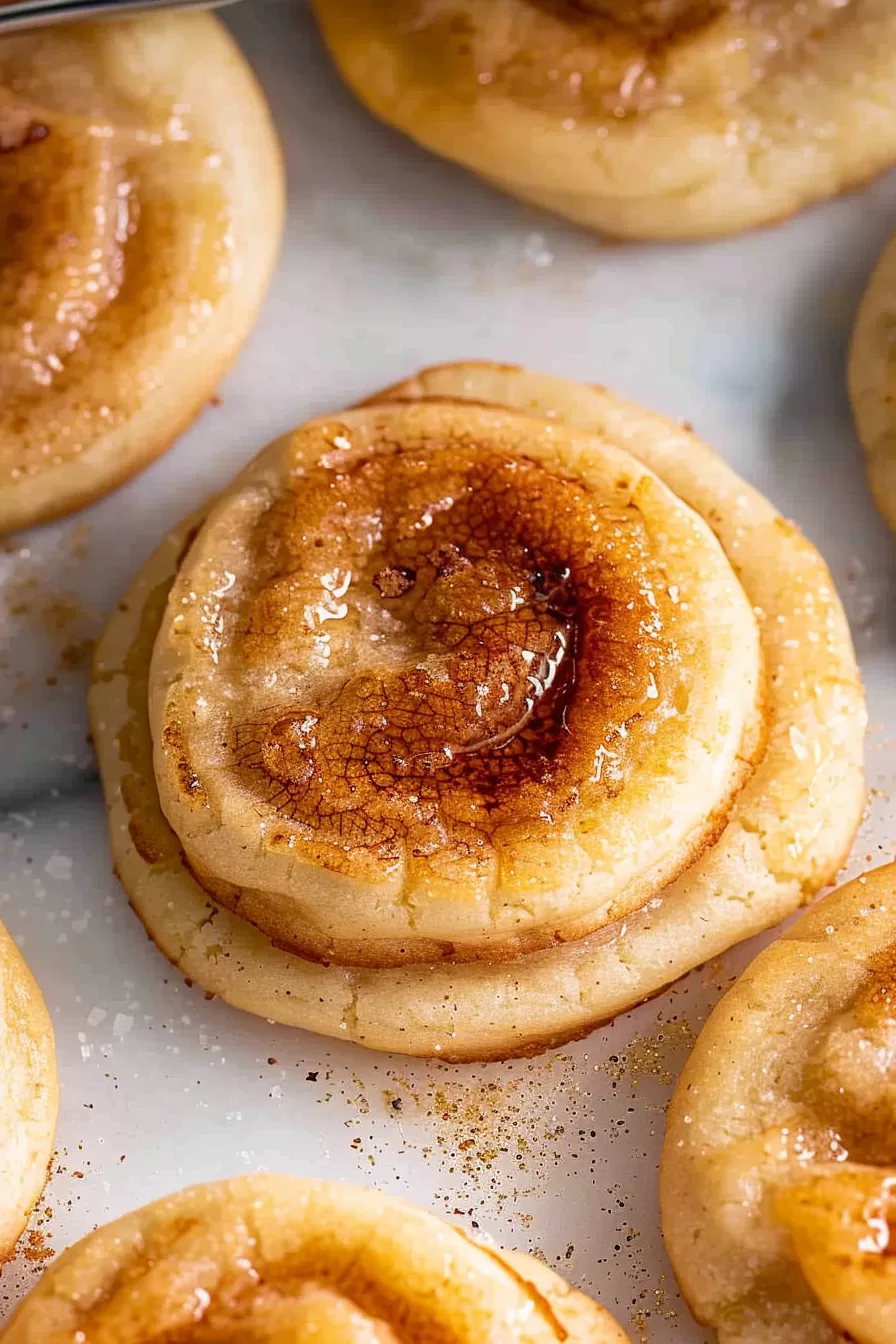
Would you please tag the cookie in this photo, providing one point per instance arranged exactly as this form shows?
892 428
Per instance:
277 1257
665 119
779 1165
184 775
141 198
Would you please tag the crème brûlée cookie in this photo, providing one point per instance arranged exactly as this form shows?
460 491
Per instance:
778 1178
29 1093
872 381
141 196
470 717
646 118
280 1257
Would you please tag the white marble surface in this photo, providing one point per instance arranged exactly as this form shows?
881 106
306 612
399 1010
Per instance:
393 259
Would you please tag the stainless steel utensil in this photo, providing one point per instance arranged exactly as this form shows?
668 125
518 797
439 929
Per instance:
18 14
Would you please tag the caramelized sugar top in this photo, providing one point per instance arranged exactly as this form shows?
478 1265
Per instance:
491 645
113 244
603 59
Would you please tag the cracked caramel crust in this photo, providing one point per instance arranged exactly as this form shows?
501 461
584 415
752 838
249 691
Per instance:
124 197
779 1164
788 832
531 642
271 1257
661 119
513 645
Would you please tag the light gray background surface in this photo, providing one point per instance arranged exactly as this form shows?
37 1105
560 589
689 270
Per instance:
393 259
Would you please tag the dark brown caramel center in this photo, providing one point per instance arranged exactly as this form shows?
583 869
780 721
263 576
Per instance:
489 643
